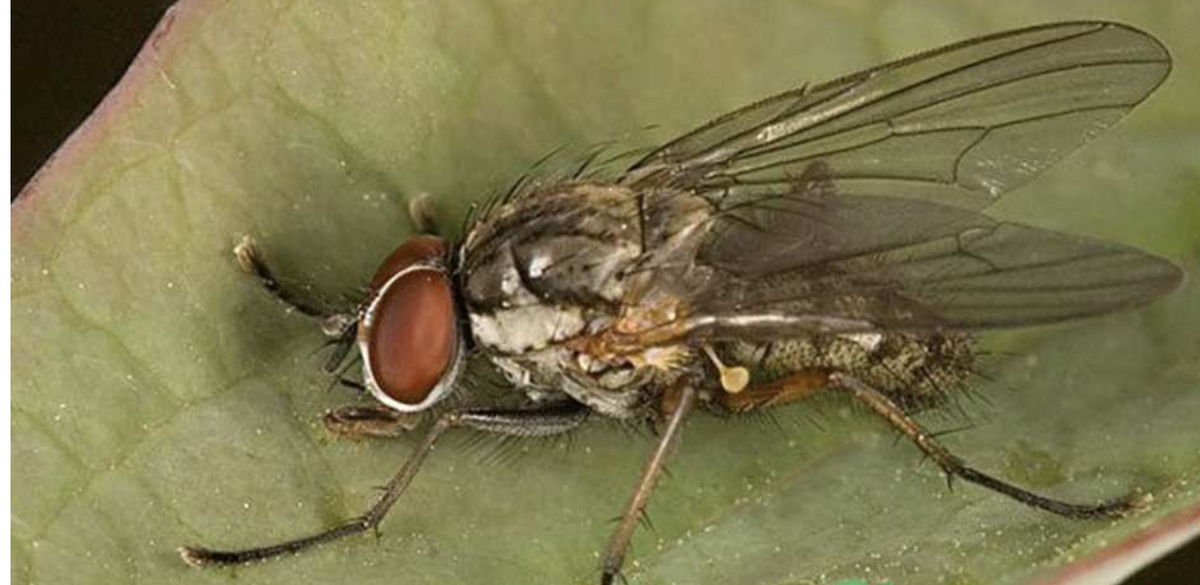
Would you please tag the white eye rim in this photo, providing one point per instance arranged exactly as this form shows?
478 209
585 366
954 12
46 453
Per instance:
444 385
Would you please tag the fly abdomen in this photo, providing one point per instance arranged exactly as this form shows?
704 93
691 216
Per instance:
918 371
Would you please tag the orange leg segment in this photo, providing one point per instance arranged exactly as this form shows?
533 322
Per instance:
792 388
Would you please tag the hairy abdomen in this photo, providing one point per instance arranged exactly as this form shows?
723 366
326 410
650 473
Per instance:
916 371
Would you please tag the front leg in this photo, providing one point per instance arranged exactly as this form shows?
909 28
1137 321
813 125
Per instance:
423 215
338 326
369 421
542 421
250 260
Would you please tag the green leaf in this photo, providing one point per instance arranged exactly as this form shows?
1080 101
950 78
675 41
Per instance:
161 398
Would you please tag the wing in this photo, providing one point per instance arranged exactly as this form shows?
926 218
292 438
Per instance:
958 125
821 261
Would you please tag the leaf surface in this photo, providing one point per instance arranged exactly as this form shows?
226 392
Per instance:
160 398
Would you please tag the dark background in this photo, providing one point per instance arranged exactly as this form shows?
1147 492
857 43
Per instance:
66 54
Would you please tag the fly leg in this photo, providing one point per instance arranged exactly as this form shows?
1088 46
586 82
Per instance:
250 260
544 421
880 404
369 421
793 388
421 214
338 327
618 545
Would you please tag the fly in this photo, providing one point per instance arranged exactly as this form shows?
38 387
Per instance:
827 239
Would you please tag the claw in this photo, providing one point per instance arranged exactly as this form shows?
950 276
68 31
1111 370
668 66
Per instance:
193 556
247 255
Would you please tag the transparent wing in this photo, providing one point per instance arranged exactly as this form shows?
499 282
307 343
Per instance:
862 263
958 125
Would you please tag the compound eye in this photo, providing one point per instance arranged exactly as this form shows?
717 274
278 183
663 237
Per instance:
408 335
412 251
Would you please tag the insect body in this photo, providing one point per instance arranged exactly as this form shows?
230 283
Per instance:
827 239
552 276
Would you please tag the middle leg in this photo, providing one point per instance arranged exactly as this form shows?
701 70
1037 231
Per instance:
614 556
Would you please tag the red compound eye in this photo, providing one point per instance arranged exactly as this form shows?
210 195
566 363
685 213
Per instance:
409 332
415 250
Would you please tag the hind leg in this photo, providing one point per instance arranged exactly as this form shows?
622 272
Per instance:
953 466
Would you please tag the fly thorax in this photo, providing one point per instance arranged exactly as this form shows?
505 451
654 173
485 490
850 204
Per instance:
612 389
526 328
541 269
570 264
